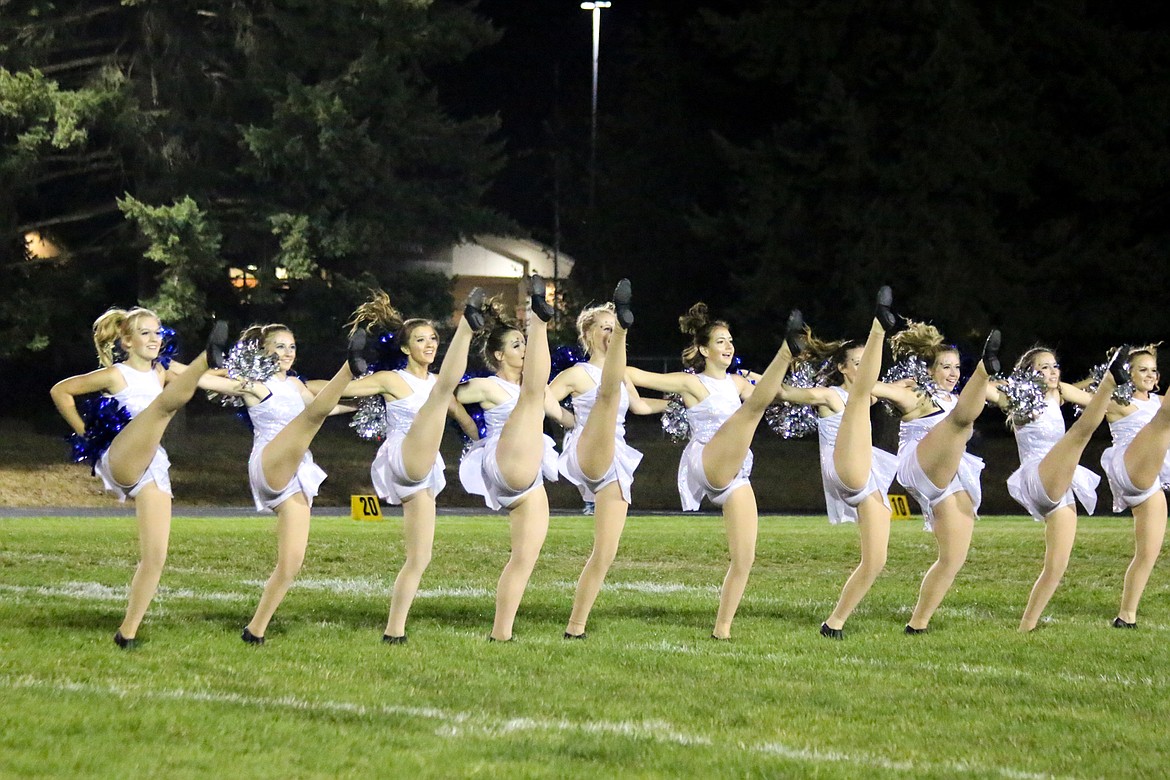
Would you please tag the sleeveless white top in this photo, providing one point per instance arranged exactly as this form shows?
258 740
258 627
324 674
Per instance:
912 431
706 417
142 387
270 416
1127 427
400 413
583 403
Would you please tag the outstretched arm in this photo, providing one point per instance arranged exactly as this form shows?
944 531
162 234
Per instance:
640 405
682 383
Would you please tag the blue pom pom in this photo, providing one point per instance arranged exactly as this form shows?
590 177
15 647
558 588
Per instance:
565 357
104 419
169 348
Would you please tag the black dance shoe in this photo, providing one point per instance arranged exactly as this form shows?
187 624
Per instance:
357 353
794 332
1117 623
832 633
393 640
574 636
537 289
891 323
622 295
250 638
217 343
914 631
1119 365
473 308
123 642
991 352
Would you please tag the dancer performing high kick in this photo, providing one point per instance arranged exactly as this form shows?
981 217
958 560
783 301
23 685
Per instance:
135 464
286 416
933 463
596 457
856 474
723 410
408 468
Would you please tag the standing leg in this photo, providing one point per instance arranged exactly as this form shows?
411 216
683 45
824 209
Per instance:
1060 530
741 519
873 524
153 509
608 521
954 522
292 539
1149 530
418 532
529 524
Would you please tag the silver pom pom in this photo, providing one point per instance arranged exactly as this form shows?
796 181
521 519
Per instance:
674 420
1026 394
369 419
250 361
1122 394
792 421
915 369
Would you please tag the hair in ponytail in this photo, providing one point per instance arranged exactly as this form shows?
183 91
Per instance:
111 327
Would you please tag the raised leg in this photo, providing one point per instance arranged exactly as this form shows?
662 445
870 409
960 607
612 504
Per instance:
1146 453
608 521
282 456
421 444
725 453
134 448
853 453
520 451
1060 530
942 448
292 539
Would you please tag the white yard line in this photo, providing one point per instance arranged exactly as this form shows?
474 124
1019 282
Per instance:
454 724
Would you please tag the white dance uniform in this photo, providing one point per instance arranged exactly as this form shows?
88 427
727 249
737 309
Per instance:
1034 440
704 419
141 388
840 500
479 471
914 479
388 471
269 417
625 457
1125 494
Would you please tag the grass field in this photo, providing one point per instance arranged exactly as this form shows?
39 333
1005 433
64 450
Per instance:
648 694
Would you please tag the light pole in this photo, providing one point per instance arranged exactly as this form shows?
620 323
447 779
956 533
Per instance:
595 7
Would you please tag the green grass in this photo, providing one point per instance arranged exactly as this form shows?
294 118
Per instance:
646 695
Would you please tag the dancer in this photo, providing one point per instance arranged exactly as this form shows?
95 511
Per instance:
286 415
408 468
1137 467
856 474
723 410
933 463
509 467
135 465
1049 465
595 456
